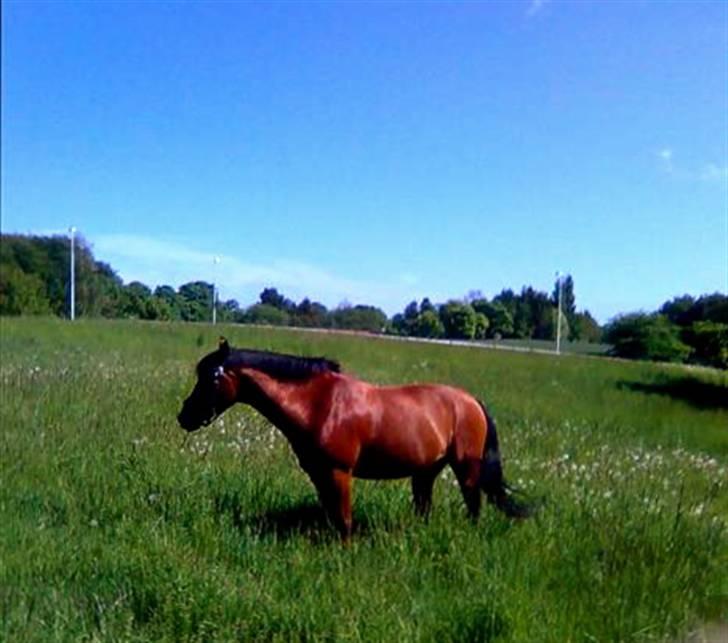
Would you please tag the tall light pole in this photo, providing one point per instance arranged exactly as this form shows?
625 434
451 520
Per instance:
72 231
215 261
558 314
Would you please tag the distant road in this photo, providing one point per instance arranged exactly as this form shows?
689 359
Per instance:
516 346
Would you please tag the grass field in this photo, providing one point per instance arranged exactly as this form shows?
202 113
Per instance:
115 526
542 345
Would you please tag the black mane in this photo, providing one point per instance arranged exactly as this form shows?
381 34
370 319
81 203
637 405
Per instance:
280 365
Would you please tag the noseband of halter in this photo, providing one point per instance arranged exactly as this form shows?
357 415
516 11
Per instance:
218 373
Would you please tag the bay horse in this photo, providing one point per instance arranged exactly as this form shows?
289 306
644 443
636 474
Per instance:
340 427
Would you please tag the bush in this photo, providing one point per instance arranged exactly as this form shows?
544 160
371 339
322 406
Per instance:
360 317
266 314
481 325
459 320
21 293
709 342
428 324
641 336
586 328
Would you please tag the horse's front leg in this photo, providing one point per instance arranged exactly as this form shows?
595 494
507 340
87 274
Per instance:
334 490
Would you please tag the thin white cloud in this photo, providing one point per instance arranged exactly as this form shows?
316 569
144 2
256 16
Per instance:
665 158
708 173
156 262
665 154
534 7
712 173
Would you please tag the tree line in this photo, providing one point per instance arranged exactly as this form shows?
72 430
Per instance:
34 280
684 329
530 314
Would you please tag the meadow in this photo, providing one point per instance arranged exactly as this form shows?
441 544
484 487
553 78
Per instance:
114 525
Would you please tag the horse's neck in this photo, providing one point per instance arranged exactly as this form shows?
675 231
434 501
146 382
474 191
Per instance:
288 405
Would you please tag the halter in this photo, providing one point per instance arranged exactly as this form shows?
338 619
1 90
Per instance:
216 375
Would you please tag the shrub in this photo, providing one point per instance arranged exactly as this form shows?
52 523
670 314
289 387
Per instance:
709 342
428 324
642 336
459 320
266 314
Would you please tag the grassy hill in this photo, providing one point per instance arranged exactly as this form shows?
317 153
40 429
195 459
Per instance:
114 525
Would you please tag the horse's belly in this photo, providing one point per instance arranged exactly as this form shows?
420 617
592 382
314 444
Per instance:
377 464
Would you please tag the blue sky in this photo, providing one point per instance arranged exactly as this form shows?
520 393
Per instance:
377 152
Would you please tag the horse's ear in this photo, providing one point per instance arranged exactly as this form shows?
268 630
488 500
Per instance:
224 347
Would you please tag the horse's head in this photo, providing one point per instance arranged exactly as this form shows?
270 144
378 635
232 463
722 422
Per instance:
214 392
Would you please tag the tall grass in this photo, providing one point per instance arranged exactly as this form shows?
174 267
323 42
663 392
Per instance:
113 525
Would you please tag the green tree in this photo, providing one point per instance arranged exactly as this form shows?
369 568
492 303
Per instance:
686 310
137 301
533 316
229 311
21 294
459 320
501 321
411 311
310 314
482 305
712 308
159 308
410 321
642 336
428 324
272 297
195 299
398 325
507 298
266 314
104 298
359 317
709 341
587 328
168 302
522 326
427 306
47 258
679 310
481 326
97 287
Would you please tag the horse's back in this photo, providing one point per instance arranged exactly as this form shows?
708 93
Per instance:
401 430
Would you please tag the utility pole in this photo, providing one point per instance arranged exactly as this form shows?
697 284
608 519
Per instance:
558 314
72 231
215 261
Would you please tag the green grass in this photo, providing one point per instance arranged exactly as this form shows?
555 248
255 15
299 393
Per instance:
115 526
576 348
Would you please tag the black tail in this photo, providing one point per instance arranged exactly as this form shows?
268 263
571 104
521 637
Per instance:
491 475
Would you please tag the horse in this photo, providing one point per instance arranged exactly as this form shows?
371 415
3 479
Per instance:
341 428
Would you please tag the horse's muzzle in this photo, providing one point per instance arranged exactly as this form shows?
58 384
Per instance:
191 423
187 423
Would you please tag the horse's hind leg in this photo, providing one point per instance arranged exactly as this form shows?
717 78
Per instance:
422 484
467 472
